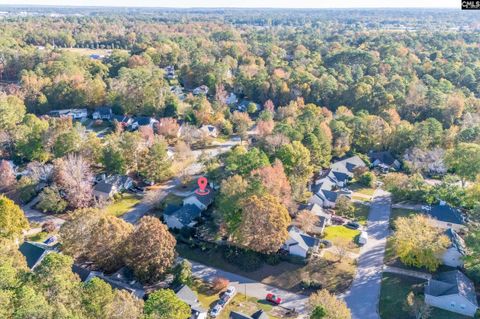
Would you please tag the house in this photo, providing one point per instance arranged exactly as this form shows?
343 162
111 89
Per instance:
73 113
170 72
34 253
324 218
299 243
445 216
326 196
123 120
209 130
84 274
102 113
345 169
188 296
143 121
124 279
109 186
231 99
454 254
243 106
185 216
201 201
257 315
201 90
384 161
452 291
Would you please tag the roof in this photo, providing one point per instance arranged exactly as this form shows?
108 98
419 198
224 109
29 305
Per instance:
82 272
238 315
121 118
104 110
452 283
302 239
206 199
186 214
329 195
384 157
144 120
456 241
446 213
32 252
348 165
103 187
187 295
260 314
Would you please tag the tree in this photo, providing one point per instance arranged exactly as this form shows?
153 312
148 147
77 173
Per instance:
344 206
264 224
12 219
183 273
306 220
296 162
472 260
125 305
464 160
168 127
241 123
332 307
275 182
232 190
241 161
318 312
96 237
97 295
74 176
417 307
367 179
7 176
150 249
12 111
417 250
164 304
155 164
60 286
51 200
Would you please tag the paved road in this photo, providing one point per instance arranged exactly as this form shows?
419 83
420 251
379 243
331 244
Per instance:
363 296
36 216
251 287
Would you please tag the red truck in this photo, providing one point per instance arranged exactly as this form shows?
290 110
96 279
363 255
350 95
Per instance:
273 299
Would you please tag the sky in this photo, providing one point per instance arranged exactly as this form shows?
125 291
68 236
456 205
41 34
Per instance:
248 3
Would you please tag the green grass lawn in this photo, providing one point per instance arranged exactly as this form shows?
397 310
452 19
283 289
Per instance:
122 205
342 233
172 199
394 291
39 237
361 213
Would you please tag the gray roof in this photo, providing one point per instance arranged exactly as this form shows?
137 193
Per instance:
103 187
238 315
33 253
384 157
82 272
187 213
446 213
456 241
104 110
260 314
207 199
452 283
302 239
188 296
329 195
348 165
121 118
143 120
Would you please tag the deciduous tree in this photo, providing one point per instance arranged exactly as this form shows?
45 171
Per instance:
164 304
333 307
12 219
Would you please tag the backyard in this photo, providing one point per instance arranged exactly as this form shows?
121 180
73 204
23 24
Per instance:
394 291
122 205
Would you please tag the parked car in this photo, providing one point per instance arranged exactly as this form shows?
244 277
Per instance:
352 225
337 220
229 293
273 299
216 311
363 238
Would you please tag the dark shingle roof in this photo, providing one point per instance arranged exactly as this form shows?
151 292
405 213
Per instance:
187 213
32 253
103 187
238 315
121 118
83 273
384 157
451 283
207 199
187 295
143 120
456 241
446 213
260 315
104 110
331 196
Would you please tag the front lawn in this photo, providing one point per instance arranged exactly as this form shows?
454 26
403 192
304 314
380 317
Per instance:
122 205
361 213
326 271
394 291
342 235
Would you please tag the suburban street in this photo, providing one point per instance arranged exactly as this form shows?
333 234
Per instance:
251 287
363 296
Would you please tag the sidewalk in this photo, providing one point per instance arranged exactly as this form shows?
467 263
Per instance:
407 272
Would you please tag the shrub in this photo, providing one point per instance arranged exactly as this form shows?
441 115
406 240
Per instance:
48 227
246 260
367 179
51 201
219 284
273 259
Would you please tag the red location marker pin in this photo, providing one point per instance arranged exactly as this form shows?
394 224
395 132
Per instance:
202 186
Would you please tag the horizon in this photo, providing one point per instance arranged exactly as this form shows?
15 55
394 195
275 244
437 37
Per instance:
245 4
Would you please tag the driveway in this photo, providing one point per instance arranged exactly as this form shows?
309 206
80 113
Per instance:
35 216
251 287
363 296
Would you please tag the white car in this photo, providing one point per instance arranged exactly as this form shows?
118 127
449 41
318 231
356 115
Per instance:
362 240
215 311
230 292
